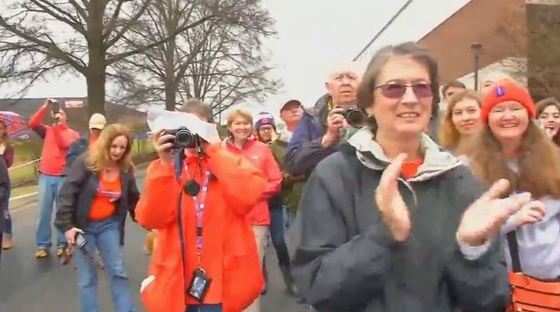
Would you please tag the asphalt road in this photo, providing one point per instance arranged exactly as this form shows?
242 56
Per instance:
30 285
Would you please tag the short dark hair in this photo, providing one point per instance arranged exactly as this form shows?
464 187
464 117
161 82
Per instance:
452 84
378 61
198 107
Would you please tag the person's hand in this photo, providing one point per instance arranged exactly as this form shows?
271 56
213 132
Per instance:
533 212
162 145
484 218
549 132
335 122
394 211
71 235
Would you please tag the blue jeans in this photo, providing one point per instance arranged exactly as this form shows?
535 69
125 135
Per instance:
277 236
205 308
48 190
104 236
7 218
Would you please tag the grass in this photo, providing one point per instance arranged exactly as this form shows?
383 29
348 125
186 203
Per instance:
23 190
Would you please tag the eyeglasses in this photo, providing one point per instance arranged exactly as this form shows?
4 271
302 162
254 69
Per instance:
397 90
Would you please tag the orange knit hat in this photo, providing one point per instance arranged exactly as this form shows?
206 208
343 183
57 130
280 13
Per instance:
504 91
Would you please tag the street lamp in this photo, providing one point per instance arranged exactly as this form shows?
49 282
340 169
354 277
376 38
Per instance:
476 47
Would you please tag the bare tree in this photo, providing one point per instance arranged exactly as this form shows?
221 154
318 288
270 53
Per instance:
42 38
220 61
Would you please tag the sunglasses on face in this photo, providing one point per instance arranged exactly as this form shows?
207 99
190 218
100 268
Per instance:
397 90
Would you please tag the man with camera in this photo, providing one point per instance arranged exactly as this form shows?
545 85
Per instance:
334 119
57 138
197 196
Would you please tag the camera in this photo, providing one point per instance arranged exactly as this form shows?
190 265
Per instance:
354 116
184 138
55 107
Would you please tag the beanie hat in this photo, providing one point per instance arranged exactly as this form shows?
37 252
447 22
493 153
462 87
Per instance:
503 91
264 119
97 121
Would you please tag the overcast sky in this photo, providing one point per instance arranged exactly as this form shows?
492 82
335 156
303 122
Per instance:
313 36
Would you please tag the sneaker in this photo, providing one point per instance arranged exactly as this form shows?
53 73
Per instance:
61 251
7 241
41 253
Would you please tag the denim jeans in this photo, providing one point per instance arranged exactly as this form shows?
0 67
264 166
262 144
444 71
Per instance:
48 190
104 236
7 218
277 235
205 308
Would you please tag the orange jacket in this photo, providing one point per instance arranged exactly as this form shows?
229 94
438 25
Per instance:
56 142
229 253
261 156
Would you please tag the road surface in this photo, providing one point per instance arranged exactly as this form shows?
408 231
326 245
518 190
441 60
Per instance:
30 285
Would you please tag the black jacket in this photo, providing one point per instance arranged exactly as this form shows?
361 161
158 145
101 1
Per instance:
78 191
347 259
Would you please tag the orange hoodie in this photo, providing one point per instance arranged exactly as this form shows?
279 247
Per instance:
261 156
229 254
56 142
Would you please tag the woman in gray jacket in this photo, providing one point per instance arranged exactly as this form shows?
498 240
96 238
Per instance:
391 222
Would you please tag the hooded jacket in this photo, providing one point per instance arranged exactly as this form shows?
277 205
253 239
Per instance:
305 150
347 259
229 252
260 155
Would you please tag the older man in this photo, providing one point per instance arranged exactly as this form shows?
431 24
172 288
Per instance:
57 139
324 126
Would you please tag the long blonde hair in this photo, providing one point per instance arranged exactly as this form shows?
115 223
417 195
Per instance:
98 158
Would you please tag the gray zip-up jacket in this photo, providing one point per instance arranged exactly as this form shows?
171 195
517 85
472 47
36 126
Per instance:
348 261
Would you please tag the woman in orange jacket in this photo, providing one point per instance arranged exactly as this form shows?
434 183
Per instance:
206 258
242 142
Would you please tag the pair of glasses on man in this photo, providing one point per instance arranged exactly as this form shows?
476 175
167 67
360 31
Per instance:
397 90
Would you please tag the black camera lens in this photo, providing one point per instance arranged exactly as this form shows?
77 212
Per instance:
354 117
184 138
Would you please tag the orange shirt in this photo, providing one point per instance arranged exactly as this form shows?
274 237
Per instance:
103 204
409 168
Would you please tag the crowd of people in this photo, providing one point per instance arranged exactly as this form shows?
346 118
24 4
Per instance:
374 199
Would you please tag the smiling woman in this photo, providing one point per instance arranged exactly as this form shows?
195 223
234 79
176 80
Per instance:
548 116
392 222
461 119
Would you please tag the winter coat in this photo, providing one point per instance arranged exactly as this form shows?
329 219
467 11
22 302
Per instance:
260 155
348 260
78 191
305 150
291 192
56 141
229 253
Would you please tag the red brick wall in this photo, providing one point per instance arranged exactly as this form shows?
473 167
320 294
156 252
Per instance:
500 25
